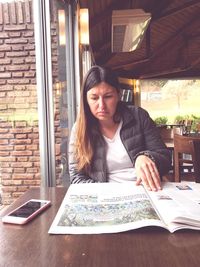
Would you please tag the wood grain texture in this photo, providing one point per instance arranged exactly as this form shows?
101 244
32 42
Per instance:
31 245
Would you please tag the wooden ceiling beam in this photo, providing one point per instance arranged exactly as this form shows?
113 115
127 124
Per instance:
163 47
187 71
103 53
155 18
176 10
171 71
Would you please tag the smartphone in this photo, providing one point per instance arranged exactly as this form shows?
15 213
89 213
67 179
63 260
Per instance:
26 211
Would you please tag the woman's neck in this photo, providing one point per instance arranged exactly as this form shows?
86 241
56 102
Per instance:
109 129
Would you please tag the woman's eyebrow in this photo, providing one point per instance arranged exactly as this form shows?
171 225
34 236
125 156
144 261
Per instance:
95 94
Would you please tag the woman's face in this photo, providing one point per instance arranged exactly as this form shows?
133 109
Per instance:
102 100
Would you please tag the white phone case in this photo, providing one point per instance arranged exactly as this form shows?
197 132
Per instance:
12 218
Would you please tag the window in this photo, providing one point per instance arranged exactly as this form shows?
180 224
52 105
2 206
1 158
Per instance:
171 98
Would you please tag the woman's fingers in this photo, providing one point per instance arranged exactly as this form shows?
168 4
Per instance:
147 173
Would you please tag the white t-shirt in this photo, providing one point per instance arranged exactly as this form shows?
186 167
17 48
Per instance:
119 165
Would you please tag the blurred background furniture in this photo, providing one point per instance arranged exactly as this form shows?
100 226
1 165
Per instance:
167 135
186 158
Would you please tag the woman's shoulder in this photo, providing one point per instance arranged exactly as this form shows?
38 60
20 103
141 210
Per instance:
133 109
135 114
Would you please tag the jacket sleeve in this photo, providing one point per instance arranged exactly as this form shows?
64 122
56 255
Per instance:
75 175
154 145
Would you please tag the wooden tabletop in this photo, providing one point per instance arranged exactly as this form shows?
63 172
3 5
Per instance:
31 245
169 143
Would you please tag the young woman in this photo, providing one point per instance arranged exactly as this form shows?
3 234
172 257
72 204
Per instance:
112 142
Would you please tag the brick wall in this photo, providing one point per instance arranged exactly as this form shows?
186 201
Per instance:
19 138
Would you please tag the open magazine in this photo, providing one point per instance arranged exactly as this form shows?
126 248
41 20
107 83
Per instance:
116 207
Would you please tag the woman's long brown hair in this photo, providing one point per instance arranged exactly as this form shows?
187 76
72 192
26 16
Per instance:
87 127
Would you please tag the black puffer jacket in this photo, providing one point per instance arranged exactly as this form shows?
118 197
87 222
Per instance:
139 136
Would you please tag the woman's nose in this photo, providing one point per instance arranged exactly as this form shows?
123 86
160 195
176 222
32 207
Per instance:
101 102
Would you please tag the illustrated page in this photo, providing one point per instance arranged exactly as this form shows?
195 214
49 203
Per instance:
104 208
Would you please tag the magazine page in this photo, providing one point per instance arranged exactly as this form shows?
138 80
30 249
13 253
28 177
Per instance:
96 208
178 205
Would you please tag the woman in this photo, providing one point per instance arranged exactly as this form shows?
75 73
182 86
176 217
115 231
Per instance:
111 142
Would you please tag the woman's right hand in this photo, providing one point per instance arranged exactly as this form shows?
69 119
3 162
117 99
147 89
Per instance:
147 173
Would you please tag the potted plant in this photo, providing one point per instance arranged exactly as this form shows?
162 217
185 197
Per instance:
161 121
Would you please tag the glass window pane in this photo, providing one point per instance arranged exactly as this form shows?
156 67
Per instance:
173 99
19 138
59 57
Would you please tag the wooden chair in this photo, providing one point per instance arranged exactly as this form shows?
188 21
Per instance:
186 145
196 147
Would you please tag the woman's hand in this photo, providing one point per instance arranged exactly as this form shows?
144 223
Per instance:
147 173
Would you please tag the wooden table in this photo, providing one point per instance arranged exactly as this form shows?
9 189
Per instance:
31 245
175 125
169 143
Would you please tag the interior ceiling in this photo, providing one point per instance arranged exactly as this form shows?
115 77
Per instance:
170 48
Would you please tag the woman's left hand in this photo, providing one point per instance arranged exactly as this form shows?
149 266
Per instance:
147 173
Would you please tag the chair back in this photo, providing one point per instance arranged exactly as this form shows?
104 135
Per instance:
186 145
182 144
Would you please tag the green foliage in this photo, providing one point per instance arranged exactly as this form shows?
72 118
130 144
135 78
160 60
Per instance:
179 118
161 120
194 117
195 120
